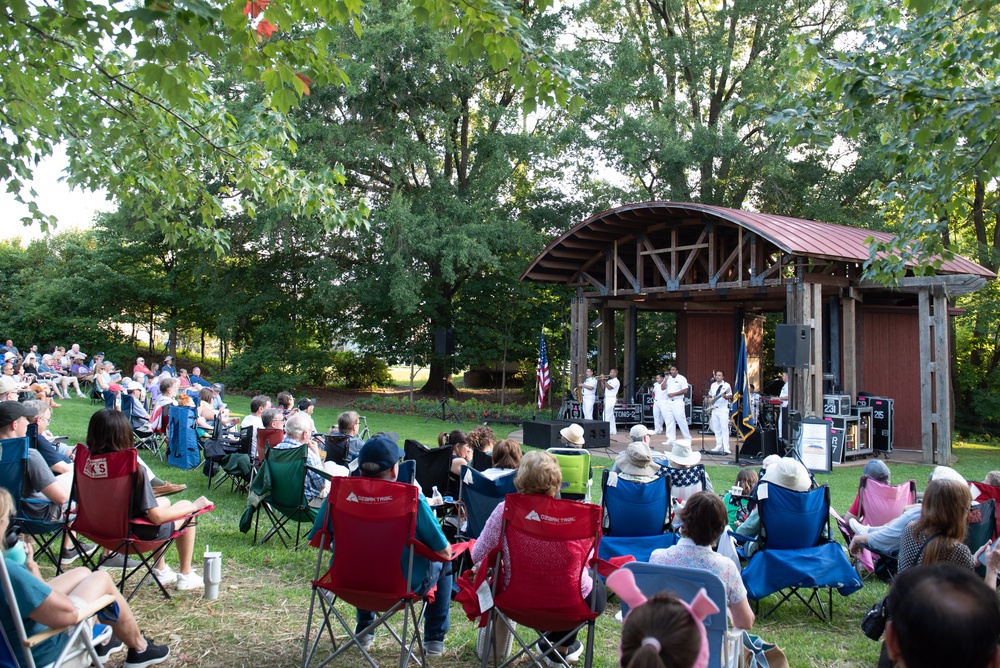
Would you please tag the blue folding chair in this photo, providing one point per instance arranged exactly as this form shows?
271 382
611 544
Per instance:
47 534
636 517
479 496
685 583
797 552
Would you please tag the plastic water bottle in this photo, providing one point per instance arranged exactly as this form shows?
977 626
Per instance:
436 498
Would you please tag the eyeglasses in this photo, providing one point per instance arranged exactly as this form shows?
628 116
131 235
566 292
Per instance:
43 417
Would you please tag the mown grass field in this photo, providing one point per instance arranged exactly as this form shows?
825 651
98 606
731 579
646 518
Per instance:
259 618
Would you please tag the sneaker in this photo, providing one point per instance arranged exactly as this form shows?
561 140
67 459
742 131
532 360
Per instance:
153 655
81 395
118 561
165 576
67 557
366 641
109 648
857 527
571 655
190 581
434 647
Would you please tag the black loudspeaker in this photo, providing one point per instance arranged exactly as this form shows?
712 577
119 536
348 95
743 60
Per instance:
761 443
545 433
444 341
791 346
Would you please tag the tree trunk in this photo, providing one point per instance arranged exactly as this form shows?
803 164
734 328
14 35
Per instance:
439 382
203 346
152 333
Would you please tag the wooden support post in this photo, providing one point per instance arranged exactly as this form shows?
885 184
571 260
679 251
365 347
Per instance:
815 405
850 339
942 382
578 337
926 389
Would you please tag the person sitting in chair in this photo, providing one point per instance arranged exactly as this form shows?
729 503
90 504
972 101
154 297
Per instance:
787 472
506 459
379 458
347 425
875 470
636 463
298 432
108 432
258 405
539 473
56 604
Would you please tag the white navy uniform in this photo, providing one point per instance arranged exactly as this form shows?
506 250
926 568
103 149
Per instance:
611 386
673 414
589 397
781 413
719 423
659 405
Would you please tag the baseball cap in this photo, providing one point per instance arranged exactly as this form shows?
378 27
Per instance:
7 384
10 411
306 403
378 454
132 385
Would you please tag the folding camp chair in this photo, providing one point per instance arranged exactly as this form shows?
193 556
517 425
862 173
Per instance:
685 483
564 536
266 438
796 551
981 492
145 439
159 420
373 524
574 464
285 502
481 460
183 451
981 524
47 534
685 583
636 517
433 465
337 448
478 498
879 504
75 641
239 446
103 486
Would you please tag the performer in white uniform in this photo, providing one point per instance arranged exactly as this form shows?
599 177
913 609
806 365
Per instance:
589 387
673 414
659 390
720 393
783 395
611 385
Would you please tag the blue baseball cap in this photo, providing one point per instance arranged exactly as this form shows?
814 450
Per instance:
378 455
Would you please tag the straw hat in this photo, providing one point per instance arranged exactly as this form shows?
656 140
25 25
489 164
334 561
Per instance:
788 473
637 459
573 434
681 453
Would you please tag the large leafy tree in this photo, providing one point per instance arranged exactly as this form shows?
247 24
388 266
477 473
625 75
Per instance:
129 90
680 92
450 165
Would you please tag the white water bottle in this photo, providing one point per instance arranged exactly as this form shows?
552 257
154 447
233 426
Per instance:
212 574
436 498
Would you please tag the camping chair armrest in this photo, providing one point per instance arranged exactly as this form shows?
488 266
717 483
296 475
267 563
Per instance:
86 612
741 539
180 521
320 472
427 553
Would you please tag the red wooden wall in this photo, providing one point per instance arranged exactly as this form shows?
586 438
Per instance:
888 366
705 342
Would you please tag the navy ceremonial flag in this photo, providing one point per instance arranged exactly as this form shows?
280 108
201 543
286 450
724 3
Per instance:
742 414
544 380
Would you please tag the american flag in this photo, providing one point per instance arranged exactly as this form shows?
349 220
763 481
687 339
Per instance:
543 372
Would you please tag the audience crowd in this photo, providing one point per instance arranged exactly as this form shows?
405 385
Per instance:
939 611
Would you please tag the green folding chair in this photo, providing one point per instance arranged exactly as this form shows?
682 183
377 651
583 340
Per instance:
285 502
576 473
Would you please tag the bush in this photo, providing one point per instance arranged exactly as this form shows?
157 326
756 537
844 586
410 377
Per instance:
361 371
262 369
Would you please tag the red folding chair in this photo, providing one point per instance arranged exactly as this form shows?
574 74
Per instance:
102 487
159 420
550 542
982 492
373 524
266 438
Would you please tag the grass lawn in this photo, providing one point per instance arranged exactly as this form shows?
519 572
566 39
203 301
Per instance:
259 618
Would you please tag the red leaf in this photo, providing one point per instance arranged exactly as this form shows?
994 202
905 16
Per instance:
266 28
255 7
306 82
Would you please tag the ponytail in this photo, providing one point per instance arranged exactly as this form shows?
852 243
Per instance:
646 656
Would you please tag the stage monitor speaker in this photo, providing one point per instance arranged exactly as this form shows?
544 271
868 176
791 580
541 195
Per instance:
444 341
545 433
761 443
791 346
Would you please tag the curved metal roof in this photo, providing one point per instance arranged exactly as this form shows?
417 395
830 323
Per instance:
804 238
